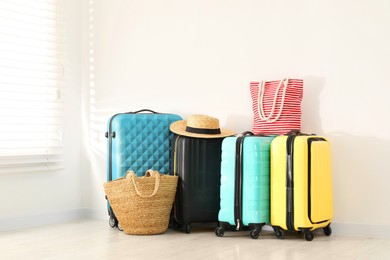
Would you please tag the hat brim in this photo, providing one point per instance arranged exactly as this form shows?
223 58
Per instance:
179 127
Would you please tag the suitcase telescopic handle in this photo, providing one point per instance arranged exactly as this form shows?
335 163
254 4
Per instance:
294 132
143 110
247 133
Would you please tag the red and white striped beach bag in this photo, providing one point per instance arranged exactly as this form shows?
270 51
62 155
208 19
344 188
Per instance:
276 106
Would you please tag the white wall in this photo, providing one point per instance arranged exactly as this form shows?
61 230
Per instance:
41 198
190 57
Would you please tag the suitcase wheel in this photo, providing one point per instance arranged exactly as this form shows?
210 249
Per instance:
308 235
119 227
255 233
327 230
188 228
255 230
112 222
219 231
279 232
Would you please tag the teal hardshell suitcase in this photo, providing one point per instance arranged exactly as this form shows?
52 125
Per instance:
244 192
138 141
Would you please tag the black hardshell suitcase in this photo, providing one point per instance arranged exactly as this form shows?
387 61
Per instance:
197 162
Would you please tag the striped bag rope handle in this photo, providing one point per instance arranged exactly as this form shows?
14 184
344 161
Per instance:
260 101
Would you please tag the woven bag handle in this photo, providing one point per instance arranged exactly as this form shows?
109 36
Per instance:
149 173
260 101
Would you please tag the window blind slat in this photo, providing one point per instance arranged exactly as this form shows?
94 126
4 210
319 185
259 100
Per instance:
14 97
25 80
6 161
31 78
22 164
22 56
23 168
50 65
23 9
27 89
12 144
16 154
48 49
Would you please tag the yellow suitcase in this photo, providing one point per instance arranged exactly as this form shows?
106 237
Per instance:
301 185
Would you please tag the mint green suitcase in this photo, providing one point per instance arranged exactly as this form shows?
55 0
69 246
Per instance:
244 191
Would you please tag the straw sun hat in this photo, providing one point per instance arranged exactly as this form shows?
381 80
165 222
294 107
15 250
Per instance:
200 126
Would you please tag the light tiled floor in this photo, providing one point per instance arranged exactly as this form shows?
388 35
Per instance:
91 239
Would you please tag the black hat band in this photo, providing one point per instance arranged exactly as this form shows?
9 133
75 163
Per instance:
203 131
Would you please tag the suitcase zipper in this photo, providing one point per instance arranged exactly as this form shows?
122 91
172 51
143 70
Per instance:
290 183
309 142
109 135
238 183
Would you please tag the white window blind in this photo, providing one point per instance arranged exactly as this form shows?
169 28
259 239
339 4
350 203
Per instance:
31 79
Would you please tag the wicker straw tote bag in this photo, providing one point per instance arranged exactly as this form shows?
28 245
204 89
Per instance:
142 205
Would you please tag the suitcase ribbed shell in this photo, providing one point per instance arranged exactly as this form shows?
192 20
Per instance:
255 191
198 164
